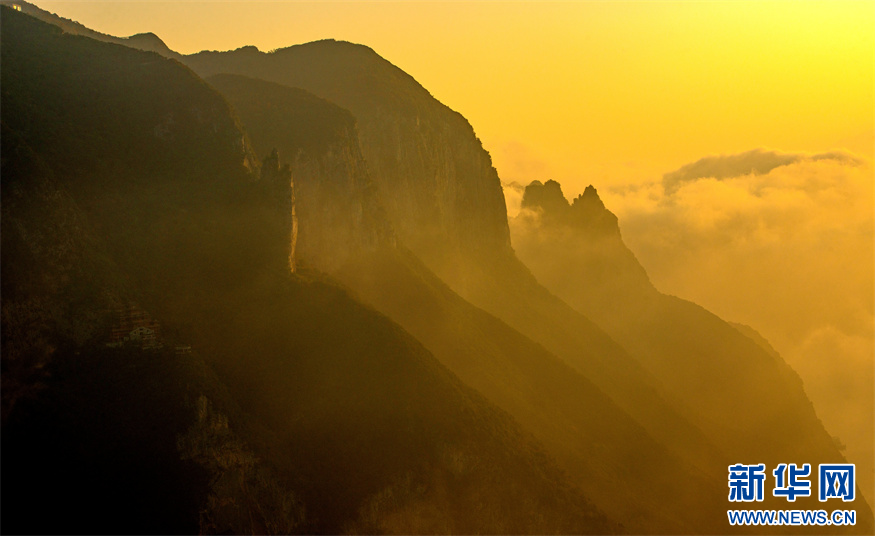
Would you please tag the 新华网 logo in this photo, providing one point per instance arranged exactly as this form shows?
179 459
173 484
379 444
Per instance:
747 482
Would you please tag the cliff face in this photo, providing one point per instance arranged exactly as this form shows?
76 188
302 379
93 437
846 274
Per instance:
341 223
434 179
336 209
335 206
296 408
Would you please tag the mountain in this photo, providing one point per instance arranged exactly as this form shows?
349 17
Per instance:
444 201
430 173
610 273
435 183
422 181
277 403
418 150
742 393
559 406
144 41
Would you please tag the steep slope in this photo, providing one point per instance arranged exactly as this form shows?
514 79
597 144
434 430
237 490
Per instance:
322 415
566 412
320 142
444 201
761 410
434 199
419 152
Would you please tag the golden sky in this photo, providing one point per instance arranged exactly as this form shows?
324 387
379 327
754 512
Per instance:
601 92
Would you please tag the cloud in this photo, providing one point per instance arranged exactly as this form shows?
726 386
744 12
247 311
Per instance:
519 166
782 242
755 162
513 197
806 225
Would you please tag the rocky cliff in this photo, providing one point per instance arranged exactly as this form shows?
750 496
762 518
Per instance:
433 177
561 408
337 210
292 407
440 193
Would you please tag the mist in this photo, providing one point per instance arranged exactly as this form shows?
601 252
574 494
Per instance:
781 242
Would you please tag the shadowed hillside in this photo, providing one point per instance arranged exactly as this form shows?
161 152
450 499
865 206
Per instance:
126 178
420 155
563 409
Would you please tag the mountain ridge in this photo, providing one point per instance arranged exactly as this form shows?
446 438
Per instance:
345 422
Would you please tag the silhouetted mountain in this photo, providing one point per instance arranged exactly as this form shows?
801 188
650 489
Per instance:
126 178
444 201
148 42
351 422
740 391
609 270
559 406
432 175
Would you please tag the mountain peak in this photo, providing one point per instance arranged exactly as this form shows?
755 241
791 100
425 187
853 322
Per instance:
590 196
149 42
546 196
147 37
589 205
587 211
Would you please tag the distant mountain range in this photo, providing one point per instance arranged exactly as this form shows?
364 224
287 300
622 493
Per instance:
349 341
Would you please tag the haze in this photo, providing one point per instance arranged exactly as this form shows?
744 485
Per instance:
734 142
617 94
